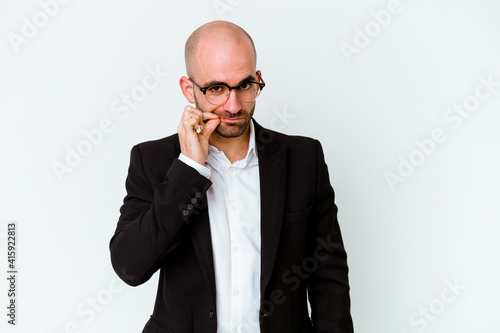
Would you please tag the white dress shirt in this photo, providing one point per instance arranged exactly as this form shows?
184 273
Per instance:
234 213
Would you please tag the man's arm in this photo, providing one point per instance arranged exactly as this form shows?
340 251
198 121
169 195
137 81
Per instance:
153 220
328 286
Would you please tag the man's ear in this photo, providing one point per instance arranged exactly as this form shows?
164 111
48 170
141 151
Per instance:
260 73
187 89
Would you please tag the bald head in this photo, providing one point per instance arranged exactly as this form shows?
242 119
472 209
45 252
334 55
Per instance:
216 34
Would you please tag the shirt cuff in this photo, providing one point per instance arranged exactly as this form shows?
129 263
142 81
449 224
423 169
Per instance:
203 170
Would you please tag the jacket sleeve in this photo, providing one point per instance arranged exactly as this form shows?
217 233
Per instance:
328 286
153 220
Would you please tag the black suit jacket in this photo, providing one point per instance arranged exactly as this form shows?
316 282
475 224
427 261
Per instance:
164 225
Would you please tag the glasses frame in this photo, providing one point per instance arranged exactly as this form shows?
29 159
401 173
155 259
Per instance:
204 89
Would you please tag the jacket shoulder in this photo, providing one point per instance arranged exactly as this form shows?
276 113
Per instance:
294 139
167 145
156 157
294 142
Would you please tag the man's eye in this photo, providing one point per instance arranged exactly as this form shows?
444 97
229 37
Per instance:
245 86
216 90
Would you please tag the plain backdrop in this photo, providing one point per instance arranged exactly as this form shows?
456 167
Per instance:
374 88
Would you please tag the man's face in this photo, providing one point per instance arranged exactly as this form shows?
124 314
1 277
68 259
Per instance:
230 64
232 124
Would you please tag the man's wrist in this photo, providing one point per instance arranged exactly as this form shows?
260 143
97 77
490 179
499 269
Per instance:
203 170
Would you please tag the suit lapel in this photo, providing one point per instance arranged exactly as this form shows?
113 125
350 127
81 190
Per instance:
272 172
202 243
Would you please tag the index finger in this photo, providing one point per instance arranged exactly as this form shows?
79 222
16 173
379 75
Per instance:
206 116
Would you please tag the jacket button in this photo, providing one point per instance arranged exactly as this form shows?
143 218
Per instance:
211 314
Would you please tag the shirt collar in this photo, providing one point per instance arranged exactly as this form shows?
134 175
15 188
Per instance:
252 151
251 143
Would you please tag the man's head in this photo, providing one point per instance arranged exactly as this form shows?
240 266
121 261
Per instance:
221 52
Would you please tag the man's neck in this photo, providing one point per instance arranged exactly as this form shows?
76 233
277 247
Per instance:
235 149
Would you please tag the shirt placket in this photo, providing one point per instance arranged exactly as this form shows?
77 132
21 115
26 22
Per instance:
234 229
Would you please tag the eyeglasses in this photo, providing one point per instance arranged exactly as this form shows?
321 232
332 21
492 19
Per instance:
218 93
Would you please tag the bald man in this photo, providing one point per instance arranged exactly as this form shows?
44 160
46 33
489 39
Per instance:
240 220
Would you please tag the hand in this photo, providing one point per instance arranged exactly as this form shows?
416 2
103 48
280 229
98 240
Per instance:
195 145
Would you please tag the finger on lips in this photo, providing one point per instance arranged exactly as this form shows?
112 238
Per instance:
209 115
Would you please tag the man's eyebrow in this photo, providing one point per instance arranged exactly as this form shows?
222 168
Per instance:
248 78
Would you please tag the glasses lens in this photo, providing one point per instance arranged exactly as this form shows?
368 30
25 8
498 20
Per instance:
217 94
248 92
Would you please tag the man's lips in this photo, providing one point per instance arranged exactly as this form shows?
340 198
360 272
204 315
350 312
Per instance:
230 120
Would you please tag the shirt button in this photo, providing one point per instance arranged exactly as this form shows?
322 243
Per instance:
236 249
233 208
236 292
230 169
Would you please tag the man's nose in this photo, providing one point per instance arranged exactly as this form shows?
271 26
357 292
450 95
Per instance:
233 103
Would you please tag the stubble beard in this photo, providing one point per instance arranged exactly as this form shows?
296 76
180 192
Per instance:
227 130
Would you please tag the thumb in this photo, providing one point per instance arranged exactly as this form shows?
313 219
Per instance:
210 127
